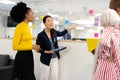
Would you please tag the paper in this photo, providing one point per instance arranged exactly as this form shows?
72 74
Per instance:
92 43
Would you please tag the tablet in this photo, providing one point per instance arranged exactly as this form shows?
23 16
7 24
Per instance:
60 48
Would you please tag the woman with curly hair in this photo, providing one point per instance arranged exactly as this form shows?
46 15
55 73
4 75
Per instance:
22 42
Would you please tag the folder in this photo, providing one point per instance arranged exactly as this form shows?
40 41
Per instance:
92 43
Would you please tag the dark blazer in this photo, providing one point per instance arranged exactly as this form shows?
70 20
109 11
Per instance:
43 41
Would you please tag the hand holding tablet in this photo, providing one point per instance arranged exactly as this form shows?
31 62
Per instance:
60 48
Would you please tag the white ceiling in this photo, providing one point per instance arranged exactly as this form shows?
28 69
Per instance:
61 7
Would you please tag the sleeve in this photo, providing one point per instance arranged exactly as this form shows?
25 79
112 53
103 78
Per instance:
39 41
115 49
106 43
61 33
17 40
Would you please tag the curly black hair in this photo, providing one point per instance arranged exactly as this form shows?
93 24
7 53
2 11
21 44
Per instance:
18 12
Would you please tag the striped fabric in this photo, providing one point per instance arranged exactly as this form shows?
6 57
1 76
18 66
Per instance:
109 46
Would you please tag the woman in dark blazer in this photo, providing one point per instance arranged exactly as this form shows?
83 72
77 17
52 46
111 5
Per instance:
47 40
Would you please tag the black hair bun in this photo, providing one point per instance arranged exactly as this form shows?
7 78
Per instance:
21 4
18 12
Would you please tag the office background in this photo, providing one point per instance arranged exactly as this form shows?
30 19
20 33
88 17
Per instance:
76 62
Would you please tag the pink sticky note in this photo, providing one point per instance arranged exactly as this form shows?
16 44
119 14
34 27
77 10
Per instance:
91 11
95 35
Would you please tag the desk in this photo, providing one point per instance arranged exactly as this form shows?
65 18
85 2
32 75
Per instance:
75 63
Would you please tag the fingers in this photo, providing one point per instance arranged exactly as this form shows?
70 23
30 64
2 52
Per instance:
110 59
37 48
74 26
49 52
52 51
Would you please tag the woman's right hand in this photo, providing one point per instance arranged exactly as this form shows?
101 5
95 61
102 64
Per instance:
49 52
110 59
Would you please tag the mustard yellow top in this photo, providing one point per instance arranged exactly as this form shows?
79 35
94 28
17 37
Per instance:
22 39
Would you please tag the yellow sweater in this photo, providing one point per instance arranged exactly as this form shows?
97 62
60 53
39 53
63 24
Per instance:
22 39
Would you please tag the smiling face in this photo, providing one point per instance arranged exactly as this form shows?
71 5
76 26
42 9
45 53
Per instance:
49 23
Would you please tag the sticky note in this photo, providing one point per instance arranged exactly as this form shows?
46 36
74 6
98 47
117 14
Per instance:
91 12
95 35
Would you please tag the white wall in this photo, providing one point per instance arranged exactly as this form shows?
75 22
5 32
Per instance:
75 63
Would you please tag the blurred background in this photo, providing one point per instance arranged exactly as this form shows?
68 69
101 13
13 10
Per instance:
64 12
76 61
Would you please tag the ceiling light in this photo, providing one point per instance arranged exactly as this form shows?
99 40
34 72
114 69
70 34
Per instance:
36 11
70 12
55 15
37 18
7 2
48 13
